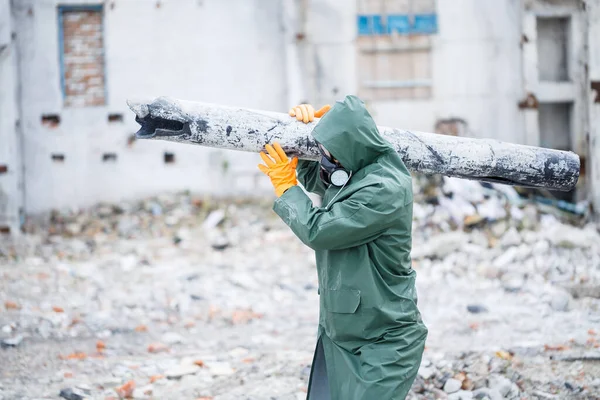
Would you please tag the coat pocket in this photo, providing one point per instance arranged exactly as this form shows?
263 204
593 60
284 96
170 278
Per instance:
341 301
340 319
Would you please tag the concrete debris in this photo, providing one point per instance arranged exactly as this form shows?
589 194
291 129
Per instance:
452 385
476 308
213 219
499 383
461 395
560 300
491 394
194 297
180 371
12 342
426 372
172 338
220 369
72 394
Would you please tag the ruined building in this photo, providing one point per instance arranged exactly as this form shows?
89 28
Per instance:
525 71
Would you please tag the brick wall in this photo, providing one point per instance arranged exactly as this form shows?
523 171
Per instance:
83 58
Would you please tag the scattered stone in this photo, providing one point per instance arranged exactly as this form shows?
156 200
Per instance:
157 348
122 271
513 282
511 238
144 392
72 394
476 308
499 383
507 257
452 385
485 393
499 228
11 305
560 300
84 387
513 392
12 342
544 395
172 338
426 372
126 390
468 384
461 395
220 243
561 235
109 382
220 369
236 352
180 371
213 219
444 245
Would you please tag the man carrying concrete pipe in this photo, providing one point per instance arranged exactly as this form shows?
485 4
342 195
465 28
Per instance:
370 336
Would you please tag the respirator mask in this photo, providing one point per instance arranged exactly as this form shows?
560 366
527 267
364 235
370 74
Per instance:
332 172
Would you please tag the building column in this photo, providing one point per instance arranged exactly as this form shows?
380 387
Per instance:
593 164
11 196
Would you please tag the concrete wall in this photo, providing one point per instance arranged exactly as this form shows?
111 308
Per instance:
10 165
206 51
593 7
476 66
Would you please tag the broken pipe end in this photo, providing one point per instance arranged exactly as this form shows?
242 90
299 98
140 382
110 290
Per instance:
140 108
155 124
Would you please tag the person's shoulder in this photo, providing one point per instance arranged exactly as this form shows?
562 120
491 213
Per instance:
394 180
385 189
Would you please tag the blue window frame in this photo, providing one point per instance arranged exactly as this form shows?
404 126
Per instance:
402 24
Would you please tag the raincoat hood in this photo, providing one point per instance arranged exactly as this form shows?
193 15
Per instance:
349 133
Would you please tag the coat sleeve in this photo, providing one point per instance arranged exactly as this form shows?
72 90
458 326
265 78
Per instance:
357 220
308 176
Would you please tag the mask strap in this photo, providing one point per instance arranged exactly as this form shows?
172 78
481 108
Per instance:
336 195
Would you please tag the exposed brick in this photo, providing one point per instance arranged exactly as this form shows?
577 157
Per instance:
83 58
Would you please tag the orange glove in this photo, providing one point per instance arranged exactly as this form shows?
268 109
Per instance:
307 113
279 168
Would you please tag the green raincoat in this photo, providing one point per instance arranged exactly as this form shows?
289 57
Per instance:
370 328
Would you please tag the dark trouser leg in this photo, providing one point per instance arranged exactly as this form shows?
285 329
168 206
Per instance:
319 382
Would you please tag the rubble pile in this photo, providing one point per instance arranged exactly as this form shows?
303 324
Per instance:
490 229
185 297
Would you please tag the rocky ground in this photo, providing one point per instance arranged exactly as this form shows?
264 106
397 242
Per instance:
181 297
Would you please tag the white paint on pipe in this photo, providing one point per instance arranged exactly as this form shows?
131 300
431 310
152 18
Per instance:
249 130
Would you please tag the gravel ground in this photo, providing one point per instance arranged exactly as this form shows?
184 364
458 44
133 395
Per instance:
179 297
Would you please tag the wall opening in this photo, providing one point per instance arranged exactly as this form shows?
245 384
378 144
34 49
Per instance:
553 48
58 158
556 133
452 127
394 47
109 157
51 120
555 125
115 117
169 158
82 55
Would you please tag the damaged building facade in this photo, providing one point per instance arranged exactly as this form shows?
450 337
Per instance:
524 71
